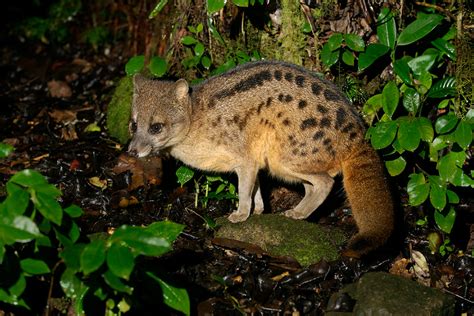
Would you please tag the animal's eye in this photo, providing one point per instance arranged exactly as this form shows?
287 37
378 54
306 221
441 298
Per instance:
155 128
133 126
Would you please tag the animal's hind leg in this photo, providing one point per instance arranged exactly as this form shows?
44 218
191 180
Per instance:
316 189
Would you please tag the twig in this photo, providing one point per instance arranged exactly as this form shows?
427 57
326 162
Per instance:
437 8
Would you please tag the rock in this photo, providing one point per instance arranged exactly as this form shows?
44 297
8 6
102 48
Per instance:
380 293
282 236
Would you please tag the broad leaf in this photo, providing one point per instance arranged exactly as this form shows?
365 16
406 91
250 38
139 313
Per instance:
214 5
463 134
335 41
411 100
48 207
5 150
93 256
354 42
241 3
383 134
165 229
422 63
419 28
348 58
141 241
114 282
188 40
174 297
390 98
401 68
445 222
28 178
120 260
425 127
17 229
184 175
386 28
158 66
395 167
34 266
443 88
329 57
408 133
417 188
371 54
446 47
135 65
437 192
445 123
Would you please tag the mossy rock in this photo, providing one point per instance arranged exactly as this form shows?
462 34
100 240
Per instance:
119 109
282 236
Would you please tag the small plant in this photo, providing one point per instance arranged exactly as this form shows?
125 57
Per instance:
41 241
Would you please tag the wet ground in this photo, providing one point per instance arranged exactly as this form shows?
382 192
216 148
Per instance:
52 109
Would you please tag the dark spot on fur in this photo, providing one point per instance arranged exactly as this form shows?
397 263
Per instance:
315 150
288 98
286 122
291 137
349 127
214 123
303 144
352 135
262 120
280 97
279 114
331 95
224 94
253 81
316 88
236 119
289 76
302 104
322 109
299 81
269 101
303 154
318 135
327 141
294 151
219 119
341 116
325 122
212 103
278 75
310 122
259 109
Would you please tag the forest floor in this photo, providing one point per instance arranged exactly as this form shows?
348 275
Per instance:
53 109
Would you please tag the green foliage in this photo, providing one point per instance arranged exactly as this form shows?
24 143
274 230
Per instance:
207 187
96 36
54 26
5 150
216 5
157 66
119 109
403 132
40 238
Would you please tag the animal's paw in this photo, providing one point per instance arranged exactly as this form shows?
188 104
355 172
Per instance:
295 214
236 217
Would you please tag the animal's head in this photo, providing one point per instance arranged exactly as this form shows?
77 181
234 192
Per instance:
161 112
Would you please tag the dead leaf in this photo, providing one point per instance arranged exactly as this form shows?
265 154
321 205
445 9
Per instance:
97 182
144 170
63 116
59 89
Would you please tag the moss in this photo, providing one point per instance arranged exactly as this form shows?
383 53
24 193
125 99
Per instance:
279 235
118 111
292 37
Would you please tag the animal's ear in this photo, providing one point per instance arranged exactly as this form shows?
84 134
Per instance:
181 89
138 81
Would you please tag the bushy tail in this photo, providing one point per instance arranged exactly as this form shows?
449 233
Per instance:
371 201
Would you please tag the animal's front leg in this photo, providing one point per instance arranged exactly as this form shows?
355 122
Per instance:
247 175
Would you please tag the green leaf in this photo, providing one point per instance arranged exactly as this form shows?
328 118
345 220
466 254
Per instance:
158 66
390 98
6 150
443 88
165 229
114 282
159 6
34 266
448 166
199 49
348 58
401 68
214 5
463 134
371 54
135 65
383 134
354 42
306 28
74 289
141 241
396 167
437 192
206 62
419 28
72 256
188 40
446 223
174 297
214 32
120 260
408 133
28 178
74 211
445 123
241 3
423 82
422 63
469 116
386 28
329 57
453 198
445 47
425 128
372 105
17 200
417 189
17 229
335 41
48 207
184 175
19 286
411 100
93 256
